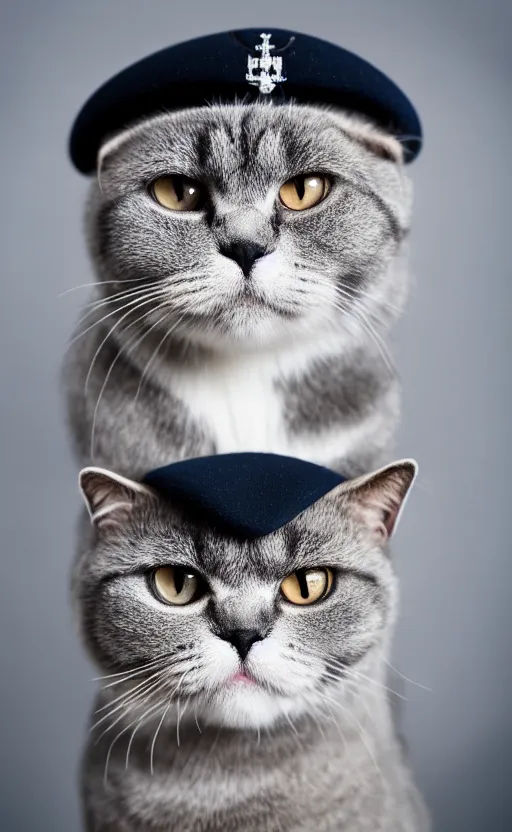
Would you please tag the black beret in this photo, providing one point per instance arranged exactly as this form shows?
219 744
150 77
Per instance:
248 495
225 66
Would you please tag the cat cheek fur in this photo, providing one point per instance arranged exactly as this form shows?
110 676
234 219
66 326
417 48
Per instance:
294 665
301 648
321 255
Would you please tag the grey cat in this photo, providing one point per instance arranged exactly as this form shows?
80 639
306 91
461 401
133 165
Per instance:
244 685
250 262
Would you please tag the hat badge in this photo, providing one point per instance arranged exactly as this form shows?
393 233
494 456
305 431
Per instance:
268 68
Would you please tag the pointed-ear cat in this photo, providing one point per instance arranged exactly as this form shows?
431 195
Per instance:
266 651
109 497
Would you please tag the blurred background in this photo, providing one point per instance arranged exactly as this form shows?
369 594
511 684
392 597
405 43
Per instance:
453 349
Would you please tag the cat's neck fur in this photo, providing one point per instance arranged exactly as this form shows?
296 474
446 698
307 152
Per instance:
325 396
344 756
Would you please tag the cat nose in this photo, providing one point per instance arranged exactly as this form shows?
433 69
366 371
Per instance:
243 640
245 254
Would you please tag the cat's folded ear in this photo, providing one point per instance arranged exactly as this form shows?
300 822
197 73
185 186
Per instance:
381 144
376 500
109 497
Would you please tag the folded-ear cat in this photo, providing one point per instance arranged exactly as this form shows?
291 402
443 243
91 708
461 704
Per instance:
243 674
250 262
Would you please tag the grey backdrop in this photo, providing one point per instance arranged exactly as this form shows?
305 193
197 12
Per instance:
453 58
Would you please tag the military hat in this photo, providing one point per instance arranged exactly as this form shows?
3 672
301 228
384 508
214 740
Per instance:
247 64
248 495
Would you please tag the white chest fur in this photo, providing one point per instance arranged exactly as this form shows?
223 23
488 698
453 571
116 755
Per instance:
238 403
241 407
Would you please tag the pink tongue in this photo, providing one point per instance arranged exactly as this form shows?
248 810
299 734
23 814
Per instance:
242 677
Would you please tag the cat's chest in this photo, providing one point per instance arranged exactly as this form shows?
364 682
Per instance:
239 406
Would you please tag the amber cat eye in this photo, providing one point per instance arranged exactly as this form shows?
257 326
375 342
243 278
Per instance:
178 193
305 586
303 192
176 585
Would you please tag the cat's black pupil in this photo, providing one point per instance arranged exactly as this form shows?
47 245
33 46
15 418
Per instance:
303 583
300 187
179 579
178 187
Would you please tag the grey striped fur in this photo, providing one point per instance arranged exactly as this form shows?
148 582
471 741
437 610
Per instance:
199 360
312 745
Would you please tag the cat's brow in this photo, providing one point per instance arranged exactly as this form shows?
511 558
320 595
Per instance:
159 551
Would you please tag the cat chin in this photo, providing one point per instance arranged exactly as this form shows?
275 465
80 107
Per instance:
246 331
247 707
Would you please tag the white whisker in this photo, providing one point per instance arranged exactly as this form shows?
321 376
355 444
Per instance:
133 675
406 678
378 686
155 737
196 720
131 303
112 330
132 698
132 690
131 345
97 283
376 338
99 303
361 731
139 720
139 701
295 732
137 669
154 354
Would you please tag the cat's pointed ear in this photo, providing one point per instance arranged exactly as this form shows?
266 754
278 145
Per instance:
109 497
376 500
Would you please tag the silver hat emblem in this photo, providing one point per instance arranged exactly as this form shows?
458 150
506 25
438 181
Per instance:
268 67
